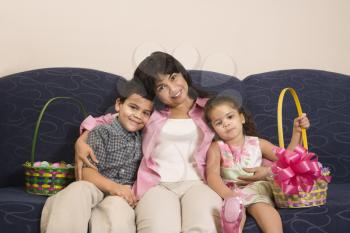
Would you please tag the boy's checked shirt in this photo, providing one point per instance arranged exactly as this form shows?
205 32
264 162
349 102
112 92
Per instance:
117 150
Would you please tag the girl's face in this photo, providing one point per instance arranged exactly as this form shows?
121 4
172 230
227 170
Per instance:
227 122
171 89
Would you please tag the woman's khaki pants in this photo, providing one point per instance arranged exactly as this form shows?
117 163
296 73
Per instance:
188 207
82 204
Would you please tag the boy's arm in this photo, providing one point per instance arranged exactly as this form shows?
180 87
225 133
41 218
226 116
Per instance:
108 186
98 139
214 179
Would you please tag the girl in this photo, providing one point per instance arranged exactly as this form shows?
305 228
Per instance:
238 148
172 194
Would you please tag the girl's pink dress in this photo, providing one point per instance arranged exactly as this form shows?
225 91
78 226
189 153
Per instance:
234 159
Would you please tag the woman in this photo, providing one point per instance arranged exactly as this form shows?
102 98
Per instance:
170 182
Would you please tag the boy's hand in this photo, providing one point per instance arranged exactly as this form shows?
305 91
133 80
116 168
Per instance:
301 122
125 192
82 152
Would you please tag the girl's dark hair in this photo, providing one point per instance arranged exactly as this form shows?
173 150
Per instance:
131 87
249 127
158 63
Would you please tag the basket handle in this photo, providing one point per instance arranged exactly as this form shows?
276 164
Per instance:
36 131
279 116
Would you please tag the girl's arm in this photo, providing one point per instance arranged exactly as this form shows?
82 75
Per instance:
268 151
299 123
260 173
213 172
109 186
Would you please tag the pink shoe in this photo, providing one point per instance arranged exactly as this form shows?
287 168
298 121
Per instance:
232 215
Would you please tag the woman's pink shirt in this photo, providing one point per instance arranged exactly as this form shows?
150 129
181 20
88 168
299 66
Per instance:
148 175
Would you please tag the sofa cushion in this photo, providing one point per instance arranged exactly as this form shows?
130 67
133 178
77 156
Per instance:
332 217
20 211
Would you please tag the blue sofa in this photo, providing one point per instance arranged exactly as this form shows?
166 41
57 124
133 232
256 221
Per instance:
324 96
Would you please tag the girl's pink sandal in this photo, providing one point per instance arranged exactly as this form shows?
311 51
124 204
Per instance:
232 215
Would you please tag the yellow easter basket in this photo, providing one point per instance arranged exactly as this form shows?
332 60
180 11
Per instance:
47 180
298 179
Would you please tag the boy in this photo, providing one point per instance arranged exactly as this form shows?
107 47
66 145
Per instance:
107 200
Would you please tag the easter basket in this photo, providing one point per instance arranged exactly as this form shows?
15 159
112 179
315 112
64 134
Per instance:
299 178
44 178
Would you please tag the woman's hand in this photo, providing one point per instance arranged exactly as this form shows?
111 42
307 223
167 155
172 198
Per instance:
260 173
82 152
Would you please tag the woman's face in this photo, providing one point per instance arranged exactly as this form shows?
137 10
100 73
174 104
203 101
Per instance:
171 89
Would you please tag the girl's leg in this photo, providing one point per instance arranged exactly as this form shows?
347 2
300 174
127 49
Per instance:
266 216
158 211
113 215
201 208
70 209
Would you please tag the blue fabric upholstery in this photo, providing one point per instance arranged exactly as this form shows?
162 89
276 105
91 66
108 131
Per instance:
324 96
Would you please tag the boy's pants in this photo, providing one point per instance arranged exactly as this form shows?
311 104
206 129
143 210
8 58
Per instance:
187 207
71 210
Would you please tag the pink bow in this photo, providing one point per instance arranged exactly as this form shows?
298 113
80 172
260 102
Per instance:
296 171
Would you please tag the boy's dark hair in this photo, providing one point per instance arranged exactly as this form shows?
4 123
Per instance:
131 87
162 63
249 127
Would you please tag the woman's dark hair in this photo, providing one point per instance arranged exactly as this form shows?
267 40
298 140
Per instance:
158 63
249 127
131 87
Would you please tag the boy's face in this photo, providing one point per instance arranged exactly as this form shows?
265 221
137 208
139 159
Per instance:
134 112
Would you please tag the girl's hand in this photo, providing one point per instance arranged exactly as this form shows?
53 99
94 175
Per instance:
82 152
125 192
301 122
260 173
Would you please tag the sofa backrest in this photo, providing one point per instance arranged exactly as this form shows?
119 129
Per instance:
21 99
324 96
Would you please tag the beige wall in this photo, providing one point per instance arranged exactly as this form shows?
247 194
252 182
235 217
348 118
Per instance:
233 37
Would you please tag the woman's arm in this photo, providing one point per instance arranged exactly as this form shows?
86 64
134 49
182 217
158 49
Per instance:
82 150
213 172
